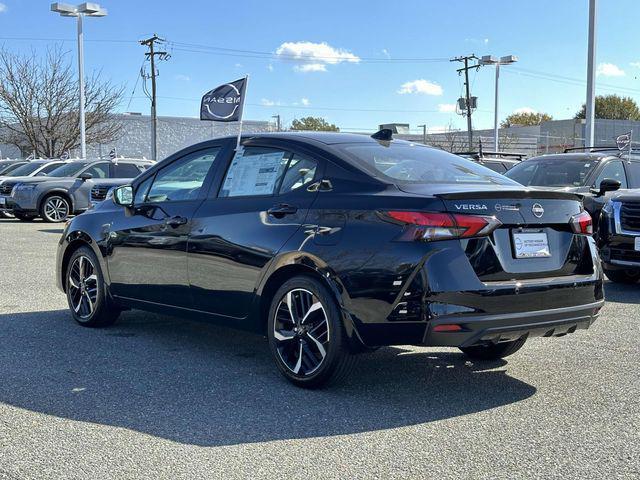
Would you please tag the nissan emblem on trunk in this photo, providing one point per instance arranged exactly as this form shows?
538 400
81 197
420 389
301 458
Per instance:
537 210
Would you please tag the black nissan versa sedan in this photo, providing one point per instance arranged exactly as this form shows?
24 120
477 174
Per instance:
332 244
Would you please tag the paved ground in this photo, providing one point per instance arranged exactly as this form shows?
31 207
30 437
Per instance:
161 397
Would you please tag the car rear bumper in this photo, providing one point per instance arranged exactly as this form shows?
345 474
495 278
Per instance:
483 329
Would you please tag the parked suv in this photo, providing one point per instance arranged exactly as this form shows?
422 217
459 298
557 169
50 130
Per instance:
619 237
34 168
52 197
497 161
592 175
332 244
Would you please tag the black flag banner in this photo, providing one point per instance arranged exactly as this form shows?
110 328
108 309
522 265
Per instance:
224 103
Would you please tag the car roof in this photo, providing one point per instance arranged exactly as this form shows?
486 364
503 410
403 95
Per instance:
328 138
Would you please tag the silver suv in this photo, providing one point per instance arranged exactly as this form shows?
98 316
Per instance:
52 197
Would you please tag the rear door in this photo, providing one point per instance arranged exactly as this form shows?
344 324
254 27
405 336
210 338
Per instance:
148 247
611 169
261 202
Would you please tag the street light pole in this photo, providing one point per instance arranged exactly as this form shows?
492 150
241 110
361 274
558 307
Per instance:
491 60
591 77
88 9
424 133
83 136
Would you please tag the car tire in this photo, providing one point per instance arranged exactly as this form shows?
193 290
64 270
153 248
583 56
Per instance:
55 208
495 351
23 217
86 293
628 276
306 334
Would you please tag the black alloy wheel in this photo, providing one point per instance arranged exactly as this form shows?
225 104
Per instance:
306 335
86 295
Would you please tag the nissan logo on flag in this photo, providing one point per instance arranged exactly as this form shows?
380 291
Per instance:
624 141
224 103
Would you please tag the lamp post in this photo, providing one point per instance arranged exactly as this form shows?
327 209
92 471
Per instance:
86 9
491 60
277 117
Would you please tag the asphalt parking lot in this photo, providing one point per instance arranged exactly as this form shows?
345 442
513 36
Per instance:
161 397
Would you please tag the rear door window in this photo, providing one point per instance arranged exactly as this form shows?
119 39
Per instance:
256 171
125 170
99 170
300 172
613 170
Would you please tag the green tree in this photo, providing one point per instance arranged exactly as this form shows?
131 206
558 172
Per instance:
317 124
525 119
613 107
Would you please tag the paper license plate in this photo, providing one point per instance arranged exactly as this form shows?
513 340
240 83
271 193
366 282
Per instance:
531 245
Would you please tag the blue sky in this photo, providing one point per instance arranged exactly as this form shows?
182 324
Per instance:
355 79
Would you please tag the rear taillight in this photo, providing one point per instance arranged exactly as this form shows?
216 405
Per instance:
444 226
582 223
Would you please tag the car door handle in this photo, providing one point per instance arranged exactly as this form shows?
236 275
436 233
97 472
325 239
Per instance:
282 210
175 221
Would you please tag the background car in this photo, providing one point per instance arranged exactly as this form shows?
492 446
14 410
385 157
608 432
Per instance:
52 197
593 175
26 170
619 237
497 161
332 244
5 164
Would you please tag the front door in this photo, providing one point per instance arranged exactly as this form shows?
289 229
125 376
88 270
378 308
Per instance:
148 257
263 200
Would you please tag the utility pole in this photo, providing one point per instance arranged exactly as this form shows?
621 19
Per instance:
277 117
589 127
424 133
468 106
151 54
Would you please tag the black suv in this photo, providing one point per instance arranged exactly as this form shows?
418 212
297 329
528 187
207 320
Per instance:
619 237
593 175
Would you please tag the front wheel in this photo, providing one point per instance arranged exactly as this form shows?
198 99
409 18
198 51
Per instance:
306 335
86 295
55 209
629 275
495 351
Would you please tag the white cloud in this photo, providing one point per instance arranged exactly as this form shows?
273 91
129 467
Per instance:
304 101
446 107
420 86
270 67
314 57
268 103
635 64
609 70
238 65
3 8
183 78
386 53
524 110
485 41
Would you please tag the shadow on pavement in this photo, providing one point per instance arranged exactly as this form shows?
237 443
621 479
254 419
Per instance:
622 293
57 231
201 384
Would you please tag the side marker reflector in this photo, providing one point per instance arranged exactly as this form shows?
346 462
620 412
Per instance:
447 327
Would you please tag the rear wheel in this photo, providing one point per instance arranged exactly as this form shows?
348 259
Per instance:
306 334
495 351
86 296
55 208
623 276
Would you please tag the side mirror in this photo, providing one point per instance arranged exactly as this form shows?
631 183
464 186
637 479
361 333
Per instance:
123 196
86 176
608 185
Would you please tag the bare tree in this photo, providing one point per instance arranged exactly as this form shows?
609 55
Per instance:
39 104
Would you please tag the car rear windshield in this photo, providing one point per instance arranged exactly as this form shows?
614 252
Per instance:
411 163
68 170
547 172
26 169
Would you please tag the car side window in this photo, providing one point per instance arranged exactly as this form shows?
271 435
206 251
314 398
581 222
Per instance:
300 171
255 171
125 170
50 167
613 170
99 170
182 179
633 169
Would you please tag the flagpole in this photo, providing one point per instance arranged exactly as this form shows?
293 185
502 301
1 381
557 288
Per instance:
246 87
630 145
